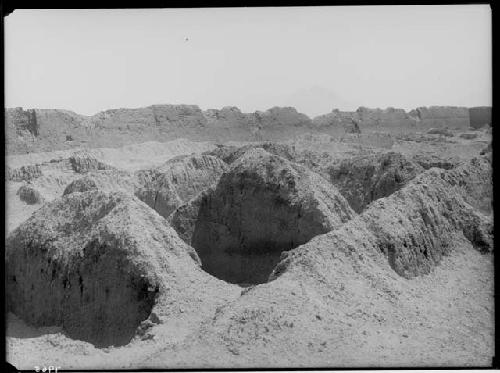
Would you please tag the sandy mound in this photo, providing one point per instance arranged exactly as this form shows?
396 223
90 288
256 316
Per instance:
432 160
416 225
360 179
364 179
83 161
29 194
474 182
98 265
24 173
104 180
262 206
177 181
84 184
231 153
339 299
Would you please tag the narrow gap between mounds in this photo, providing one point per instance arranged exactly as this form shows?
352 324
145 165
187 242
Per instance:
243 245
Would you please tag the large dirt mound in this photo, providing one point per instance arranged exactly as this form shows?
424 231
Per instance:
23 173
428 161
29 194
83 161
360 179
177 181
104 180
262 206
341 300
230 153
98 264
417 225
364 179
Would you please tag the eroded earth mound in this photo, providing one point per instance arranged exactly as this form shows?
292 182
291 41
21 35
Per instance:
364 179
177 181
262 206
324 250
98 264
29 194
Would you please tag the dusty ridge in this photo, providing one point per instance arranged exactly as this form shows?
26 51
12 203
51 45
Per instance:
432 160
48 129
83 161
416 226
177 181
104 180
360 179
442 116
100 264
29 194
480 116
340 299
23 173
364 179
263 205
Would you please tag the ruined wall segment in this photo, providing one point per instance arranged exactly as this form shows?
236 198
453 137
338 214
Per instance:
480 116
453 117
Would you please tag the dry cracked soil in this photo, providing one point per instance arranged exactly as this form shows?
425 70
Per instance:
371 249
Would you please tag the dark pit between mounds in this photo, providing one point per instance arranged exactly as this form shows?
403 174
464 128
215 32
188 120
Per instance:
262 206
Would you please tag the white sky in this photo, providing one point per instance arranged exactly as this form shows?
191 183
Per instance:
313 58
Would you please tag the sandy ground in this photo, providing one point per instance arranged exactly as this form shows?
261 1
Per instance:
445 318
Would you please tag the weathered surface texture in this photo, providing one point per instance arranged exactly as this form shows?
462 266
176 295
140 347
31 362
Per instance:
177 181
364 179
41 129
345 288
98 264
83 161
432 160
23 173
104 180
27 193
262 206
389 117
480 116
442 116
417 225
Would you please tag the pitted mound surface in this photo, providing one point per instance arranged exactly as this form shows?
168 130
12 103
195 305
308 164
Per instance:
83 161
262 206
177 181
340 298
432 160
84 184
97 264
24 173
364 179
28 194
417 225
103 180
